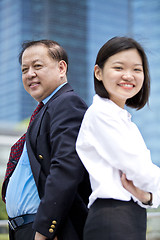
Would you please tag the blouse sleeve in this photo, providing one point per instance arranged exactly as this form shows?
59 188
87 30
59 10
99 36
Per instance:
121 145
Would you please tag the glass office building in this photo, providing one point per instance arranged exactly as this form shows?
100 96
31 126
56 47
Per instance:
145 28
81 27
62 21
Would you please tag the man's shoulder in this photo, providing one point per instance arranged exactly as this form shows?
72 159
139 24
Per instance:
66 95
71 95
69 101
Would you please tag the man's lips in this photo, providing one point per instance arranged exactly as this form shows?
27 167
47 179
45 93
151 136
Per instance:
34 84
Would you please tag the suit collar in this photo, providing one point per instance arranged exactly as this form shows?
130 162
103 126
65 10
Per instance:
37 121
65 88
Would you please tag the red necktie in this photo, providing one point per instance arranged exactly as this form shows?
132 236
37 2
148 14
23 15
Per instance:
16 151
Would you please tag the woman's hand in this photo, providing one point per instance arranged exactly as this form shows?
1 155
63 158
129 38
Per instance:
141 195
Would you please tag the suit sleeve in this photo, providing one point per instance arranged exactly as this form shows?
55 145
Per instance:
66 170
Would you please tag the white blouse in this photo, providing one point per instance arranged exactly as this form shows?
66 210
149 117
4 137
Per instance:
108 144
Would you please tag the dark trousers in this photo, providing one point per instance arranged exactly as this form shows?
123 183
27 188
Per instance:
110 219
25 232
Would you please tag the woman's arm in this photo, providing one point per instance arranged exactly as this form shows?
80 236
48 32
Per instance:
144 197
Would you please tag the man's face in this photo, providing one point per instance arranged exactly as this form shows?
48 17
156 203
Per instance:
41 74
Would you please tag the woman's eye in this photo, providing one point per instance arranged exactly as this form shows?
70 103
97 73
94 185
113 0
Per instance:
118 68
138 70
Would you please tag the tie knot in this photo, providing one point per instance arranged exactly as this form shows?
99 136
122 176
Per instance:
40 105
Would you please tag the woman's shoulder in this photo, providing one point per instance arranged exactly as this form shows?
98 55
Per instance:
100 108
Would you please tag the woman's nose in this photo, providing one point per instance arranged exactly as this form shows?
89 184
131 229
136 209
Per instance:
127 76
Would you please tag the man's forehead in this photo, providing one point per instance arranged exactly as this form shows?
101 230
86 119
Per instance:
35 53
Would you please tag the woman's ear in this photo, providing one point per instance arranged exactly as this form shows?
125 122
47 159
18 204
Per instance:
98 72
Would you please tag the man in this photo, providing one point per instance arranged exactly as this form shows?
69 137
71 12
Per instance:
47 193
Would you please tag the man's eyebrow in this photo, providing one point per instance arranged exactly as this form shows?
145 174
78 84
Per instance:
32 62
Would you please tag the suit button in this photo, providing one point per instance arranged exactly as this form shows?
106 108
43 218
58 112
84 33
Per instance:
54 222
51 230
53 226
40 156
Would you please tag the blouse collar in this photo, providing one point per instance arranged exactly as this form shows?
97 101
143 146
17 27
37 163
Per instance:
114 108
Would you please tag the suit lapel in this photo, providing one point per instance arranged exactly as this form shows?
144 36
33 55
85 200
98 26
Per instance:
35 125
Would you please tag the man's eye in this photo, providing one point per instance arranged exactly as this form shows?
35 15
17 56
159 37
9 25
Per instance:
37 66
24 70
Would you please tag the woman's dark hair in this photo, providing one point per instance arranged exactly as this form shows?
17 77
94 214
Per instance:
55 50
116 45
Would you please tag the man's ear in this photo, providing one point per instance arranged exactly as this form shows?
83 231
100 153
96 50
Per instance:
62 67
98 72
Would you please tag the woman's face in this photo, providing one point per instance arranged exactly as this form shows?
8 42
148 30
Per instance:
122 75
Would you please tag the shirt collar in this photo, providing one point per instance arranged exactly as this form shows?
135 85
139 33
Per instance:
120 111
56 90
115 109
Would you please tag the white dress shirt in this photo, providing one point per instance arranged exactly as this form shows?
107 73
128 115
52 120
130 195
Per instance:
108 144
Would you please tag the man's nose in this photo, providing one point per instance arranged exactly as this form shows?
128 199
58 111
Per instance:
31 73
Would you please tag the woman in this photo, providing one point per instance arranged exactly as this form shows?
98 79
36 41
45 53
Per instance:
112 149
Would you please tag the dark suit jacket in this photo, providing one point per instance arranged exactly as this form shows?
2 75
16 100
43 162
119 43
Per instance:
62 182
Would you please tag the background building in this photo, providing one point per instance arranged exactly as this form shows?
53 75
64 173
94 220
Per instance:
63 21
81 27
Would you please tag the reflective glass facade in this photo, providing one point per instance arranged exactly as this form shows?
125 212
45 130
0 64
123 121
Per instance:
145 28
62 21
105 19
